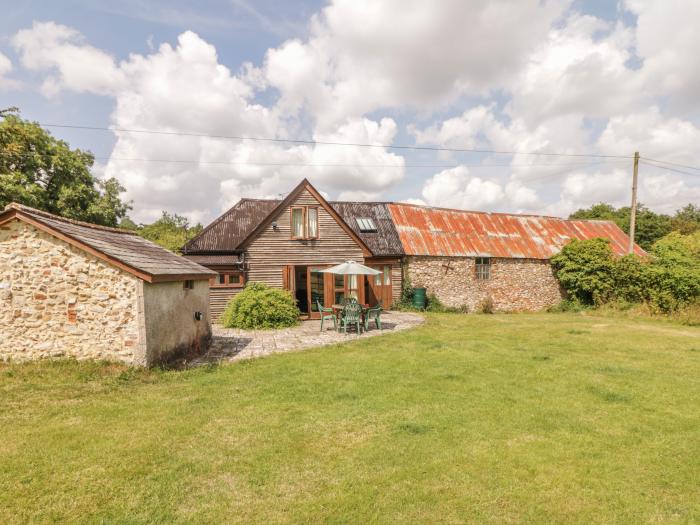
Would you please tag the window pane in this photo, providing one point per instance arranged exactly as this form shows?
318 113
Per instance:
339 281
378 279
312 215
339 297
387 275
316 285
222 278
297 222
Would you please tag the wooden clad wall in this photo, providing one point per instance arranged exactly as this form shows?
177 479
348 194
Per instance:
219 298
272 250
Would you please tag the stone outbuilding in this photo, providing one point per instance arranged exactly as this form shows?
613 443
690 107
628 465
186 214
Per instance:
74 289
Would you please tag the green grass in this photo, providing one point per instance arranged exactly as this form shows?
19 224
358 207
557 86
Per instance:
538 418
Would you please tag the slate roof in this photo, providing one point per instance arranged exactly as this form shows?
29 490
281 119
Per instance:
226 233
432 231
385 241
124 248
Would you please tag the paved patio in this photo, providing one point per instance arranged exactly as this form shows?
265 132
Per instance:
233 344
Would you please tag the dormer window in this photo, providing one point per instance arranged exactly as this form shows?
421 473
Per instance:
366 225
304 222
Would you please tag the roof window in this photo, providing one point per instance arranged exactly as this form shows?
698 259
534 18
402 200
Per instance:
366 224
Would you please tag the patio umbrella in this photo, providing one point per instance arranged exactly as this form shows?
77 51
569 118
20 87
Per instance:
351 268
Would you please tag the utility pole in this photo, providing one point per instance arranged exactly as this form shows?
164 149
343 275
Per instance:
633 208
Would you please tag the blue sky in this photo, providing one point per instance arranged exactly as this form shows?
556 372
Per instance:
596 77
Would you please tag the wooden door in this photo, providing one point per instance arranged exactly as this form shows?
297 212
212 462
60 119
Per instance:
288 280
380 286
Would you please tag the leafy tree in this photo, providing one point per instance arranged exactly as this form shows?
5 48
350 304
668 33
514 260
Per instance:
687 219
38 170
650 226
170 231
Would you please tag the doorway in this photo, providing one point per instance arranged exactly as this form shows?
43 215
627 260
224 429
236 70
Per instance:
301 292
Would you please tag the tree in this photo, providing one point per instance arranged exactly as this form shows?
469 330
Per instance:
38 170
170 231
687 219
650 227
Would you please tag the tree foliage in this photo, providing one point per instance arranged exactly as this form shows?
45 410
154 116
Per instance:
585 270
667 281
38 170
171 231
650 226
259 306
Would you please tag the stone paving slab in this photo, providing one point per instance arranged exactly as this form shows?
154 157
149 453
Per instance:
233 344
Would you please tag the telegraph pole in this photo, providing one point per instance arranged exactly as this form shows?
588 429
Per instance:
633 208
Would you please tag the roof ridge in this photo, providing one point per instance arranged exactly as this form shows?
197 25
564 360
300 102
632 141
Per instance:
512 214
34 211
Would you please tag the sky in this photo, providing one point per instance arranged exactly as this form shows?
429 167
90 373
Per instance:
515 80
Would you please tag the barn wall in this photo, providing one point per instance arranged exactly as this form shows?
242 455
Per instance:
169 322
515 284
57 300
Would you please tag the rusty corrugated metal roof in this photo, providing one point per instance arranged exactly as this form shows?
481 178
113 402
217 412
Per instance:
425 230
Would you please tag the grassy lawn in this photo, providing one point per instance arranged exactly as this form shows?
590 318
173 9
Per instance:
535 418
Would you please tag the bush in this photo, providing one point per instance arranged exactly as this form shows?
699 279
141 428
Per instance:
259 306
434 305
586 270
667 281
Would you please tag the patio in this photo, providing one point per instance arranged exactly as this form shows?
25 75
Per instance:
233 344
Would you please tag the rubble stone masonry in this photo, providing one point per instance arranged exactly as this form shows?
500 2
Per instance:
514 284
57 300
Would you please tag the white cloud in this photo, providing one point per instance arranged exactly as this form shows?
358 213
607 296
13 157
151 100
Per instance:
527 76
186 88
455 188
364 55
6 69
48 46
666 40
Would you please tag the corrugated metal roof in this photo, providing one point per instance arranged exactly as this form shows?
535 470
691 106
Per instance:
382 243
227 232
124 246
425 230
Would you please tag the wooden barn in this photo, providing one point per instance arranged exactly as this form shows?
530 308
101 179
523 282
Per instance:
286 243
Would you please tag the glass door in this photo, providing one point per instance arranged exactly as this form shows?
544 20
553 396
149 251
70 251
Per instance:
316 290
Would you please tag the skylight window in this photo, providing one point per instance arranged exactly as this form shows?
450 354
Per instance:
366 224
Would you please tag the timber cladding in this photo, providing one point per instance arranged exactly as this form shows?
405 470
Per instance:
273 248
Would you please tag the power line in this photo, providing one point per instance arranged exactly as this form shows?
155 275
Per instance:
670 169
342 165
332 143
671 163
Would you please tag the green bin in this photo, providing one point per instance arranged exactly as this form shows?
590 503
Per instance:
419 298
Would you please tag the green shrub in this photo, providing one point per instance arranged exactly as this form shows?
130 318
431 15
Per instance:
586 270
259 306
434 305
667 281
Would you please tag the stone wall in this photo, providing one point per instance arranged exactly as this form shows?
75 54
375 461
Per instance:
57 300
170 326
514 285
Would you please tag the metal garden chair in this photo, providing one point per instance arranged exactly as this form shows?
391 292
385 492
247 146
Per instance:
327 314
352 315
